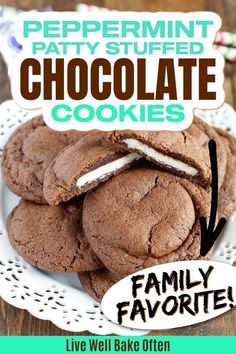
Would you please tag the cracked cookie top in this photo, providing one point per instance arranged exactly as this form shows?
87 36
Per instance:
51 238
143 217
28 153
227 193
97 282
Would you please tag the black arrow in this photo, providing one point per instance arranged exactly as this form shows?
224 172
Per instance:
208 234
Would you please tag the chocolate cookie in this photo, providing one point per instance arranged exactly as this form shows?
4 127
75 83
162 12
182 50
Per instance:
143 217
227 195
51 238
184 153
97 282
82 166
28 153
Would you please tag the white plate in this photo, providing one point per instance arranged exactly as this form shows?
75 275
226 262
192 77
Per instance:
58 297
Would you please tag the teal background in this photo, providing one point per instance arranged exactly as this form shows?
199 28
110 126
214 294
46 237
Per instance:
178 345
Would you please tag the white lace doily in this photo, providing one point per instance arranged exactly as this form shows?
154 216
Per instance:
58 297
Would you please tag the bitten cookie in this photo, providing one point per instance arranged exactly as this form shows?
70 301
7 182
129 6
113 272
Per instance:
51 238
82 166
143 217
97 282
184 153
28 153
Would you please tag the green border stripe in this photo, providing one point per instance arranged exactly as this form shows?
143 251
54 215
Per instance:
117 344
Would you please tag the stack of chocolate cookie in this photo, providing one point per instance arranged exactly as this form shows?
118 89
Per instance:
108 204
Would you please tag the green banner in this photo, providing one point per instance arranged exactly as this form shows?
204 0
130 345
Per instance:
115 344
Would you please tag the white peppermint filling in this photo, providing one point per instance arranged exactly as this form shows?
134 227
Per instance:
160 158
107 169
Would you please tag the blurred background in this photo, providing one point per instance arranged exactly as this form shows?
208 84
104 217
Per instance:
19 322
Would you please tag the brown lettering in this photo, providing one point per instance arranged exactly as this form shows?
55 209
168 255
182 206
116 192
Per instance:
82 79
204 78
141 82
119 79
166 70
95 79
57 77
187 65
24 84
